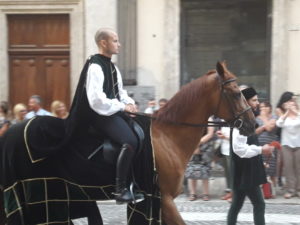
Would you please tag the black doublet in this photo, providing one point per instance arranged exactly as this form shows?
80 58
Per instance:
81 114
248 172
110 87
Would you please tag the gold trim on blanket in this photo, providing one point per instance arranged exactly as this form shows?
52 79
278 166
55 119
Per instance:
26 143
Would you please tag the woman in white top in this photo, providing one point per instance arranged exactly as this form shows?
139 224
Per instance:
224 135
289 122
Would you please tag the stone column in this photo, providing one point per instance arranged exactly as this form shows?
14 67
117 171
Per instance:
279 50
158 46
294 46
171 56
97 14
4 78
285 52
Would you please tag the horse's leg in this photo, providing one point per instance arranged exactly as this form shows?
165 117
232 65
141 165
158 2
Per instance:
170 214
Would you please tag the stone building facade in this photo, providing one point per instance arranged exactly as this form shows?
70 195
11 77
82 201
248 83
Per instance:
163 46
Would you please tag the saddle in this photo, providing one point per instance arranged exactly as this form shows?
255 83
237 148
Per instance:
109 150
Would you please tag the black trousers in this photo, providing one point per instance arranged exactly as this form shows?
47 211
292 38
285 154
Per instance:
117 129
257 200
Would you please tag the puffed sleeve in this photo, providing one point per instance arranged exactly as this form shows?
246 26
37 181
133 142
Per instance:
98 100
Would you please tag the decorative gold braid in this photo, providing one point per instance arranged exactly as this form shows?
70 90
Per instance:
143 214
68 197
81 188
56 178
104 192
26 143
9 214
153 150
54 222
129 218
19 206
160 216
52 200
46 201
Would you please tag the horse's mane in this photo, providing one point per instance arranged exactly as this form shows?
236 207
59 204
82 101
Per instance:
183 99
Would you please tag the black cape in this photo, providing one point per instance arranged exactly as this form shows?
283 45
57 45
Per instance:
48 155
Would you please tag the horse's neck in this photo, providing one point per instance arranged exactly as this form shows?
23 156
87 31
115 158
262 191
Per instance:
182 140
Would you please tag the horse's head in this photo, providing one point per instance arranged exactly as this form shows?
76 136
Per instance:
232 106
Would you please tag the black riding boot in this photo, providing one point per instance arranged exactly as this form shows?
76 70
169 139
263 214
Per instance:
123 195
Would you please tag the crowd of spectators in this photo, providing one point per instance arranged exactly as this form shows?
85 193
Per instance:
278 127
21 111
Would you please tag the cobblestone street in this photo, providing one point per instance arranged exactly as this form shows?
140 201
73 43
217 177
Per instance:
279 211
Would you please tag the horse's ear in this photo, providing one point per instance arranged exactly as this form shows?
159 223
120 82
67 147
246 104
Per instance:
220 69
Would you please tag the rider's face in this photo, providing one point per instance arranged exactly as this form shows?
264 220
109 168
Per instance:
112 44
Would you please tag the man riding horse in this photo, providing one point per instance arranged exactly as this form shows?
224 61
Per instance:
107 98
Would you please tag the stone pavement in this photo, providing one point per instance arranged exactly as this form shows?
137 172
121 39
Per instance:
279 211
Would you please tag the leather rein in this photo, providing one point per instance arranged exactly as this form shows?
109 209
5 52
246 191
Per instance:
235 122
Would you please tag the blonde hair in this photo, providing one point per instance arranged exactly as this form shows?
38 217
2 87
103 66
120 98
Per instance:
55 105
17 109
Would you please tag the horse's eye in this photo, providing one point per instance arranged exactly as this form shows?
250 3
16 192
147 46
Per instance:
237 95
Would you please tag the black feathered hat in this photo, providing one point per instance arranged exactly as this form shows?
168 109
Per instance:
249 93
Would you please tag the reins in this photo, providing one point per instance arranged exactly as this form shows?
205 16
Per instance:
236 122
208 124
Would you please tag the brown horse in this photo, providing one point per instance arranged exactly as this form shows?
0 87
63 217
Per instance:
216 93
175 134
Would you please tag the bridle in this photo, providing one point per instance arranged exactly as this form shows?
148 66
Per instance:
236 122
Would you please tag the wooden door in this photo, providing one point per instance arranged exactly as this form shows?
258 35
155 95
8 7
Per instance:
39 49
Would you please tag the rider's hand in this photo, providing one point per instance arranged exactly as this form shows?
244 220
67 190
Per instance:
130 108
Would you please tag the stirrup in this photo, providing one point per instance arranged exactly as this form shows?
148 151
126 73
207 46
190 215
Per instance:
125 193
137 196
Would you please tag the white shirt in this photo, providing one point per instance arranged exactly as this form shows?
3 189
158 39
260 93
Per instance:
40 112
290 132
241 148
225 144
98 100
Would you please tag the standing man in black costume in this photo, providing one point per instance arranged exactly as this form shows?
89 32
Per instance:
248 171
106 97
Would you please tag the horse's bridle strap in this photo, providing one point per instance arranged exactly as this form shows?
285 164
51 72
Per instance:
236 122
208 124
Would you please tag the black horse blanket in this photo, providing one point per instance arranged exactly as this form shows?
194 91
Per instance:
40 186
